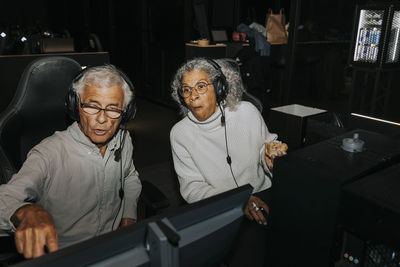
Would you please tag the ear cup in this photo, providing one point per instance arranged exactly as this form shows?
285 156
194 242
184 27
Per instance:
72 99
220 84
130 110
220 88
71 104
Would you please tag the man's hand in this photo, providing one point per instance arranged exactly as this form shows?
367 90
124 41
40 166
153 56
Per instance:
35 231
126 221
273 150
254 210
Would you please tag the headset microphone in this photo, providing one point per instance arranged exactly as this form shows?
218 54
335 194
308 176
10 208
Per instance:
121 193
117 154
118 151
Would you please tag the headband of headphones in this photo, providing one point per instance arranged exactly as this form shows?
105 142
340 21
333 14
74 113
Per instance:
72 100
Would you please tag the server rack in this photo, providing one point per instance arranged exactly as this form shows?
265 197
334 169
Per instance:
375 59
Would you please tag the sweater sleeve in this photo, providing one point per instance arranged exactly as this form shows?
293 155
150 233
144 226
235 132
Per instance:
267 137
193 186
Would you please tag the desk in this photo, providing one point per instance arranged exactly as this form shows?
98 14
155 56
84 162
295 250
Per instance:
370 209
290 123
306 195
223 50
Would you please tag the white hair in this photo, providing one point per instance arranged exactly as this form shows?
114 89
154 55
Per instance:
104 76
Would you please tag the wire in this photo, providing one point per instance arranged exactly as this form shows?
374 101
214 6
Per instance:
118 158
228 157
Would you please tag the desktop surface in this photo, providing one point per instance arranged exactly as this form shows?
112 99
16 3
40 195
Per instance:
306 194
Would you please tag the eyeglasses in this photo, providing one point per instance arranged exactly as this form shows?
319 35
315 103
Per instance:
200 87
112 113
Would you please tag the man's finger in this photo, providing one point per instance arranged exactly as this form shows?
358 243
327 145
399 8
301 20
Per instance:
52 242
19 242
28 243
38 243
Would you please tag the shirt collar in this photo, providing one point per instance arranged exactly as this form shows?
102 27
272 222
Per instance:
82 139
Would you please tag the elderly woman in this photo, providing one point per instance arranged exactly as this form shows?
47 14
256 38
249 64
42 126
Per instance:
222 142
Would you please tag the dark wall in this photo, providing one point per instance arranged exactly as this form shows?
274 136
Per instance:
146 38
12 12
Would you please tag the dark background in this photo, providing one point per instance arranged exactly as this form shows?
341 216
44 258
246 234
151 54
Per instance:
146 39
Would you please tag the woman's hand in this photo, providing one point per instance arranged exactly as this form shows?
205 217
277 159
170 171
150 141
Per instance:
254 210
272 150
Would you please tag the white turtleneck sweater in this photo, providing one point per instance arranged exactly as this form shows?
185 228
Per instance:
199 152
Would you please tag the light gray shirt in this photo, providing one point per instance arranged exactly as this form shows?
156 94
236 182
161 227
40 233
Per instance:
67 176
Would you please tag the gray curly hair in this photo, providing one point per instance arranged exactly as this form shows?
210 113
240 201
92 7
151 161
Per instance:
229 68
103 76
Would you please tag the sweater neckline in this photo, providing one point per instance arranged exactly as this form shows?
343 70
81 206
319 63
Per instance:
212 122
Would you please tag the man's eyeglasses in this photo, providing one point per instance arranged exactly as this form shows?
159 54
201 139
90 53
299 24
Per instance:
112 113
200 87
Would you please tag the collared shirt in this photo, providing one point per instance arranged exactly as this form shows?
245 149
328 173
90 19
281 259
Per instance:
67 175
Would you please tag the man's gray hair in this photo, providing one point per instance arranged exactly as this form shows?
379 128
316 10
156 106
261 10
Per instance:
103 76
229 68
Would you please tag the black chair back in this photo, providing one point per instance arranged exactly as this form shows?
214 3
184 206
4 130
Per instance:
36 111
252 99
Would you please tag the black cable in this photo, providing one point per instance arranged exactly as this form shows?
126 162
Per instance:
117 158
228 158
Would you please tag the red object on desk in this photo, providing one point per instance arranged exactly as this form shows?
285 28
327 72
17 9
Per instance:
238 36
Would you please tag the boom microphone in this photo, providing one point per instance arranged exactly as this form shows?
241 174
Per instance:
117 154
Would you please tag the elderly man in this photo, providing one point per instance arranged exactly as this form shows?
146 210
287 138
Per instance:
81 182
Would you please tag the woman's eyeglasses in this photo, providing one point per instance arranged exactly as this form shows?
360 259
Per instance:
200 87
112 113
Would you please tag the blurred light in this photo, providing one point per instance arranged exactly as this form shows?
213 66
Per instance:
46 33
3 34
372 118
23 39
83 67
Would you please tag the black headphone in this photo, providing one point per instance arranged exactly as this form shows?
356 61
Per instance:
72 99
220 84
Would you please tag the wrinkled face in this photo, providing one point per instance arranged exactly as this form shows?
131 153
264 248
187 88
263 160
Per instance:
201 105
98 127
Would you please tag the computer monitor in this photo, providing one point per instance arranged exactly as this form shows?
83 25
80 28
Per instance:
219 35
119 248
198 234
208 228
